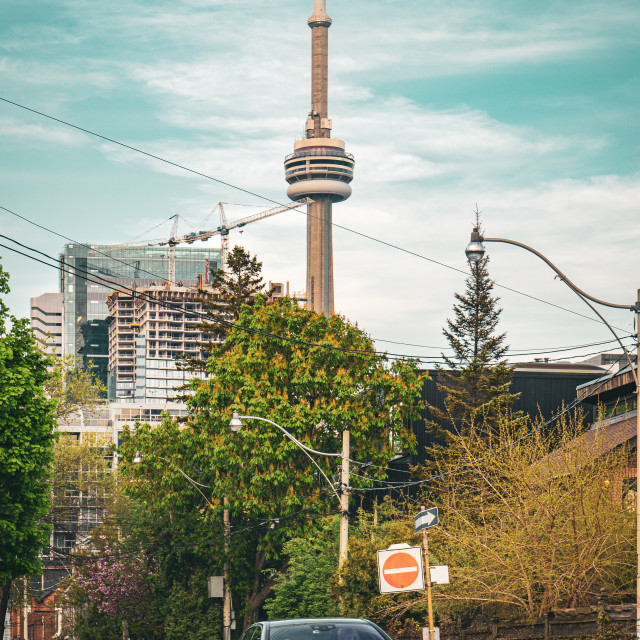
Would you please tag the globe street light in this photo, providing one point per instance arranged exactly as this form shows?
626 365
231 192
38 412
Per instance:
475 252
343 498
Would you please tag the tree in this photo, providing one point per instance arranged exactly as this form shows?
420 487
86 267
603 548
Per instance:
75 388
313 375
83 487
303 589
27 425
117 584
534 523
231 290
477 380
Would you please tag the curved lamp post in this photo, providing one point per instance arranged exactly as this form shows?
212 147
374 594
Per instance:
475 252
343 497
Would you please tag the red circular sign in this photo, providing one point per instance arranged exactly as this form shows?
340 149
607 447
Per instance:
400 570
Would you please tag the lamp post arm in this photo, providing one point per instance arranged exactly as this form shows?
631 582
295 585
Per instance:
291 437
582 294
197 485
307 450
632 307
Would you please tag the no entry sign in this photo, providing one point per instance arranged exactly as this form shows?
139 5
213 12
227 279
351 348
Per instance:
400 569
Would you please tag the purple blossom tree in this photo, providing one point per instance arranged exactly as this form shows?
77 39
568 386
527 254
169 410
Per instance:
118 584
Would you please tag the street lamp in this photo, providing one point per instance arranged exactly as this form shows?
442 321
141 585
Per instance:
475 252
343 498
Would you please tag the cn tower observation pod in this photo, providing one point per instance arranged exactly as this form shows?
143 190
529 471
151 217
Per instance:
319 168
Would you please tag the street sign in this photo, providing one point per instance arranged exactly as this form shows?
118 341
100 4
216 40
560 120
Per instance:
216 586
439 574
425 519
400 569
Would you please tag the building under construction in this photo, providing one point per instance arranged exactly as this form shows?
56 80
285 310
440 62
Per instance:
147 330
88 273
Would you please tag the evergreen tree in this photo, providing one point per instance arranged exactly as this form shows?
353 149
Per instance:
231 290
477 381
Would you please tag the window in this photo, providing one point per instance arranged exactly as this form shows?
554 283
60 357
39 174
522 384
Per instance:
252 633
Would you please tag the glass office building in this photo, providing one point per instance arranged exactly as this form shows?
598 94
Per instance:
90 272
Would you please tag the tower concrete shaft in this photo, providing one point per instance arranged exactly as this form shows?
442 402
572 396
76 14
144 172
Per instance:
320 169
320 256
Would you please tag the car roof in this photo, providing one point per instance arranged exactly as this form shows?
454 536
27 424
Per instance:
284 623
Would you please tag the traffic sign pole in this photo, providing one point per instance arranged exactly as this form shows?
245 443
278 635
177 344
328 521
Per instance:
425 544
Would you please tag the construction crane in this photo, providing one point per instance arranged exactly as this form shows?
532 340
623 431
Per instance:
222 230
225 227
172 248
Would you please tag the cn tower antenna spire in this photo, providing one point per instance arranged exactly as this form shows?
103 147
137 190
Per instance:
320 169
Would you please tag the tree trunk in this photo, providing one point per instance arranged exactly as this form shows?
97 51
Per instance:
5 592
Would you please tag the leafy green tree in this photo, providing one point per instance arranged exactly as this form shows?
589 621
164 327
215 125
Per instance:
75 387
190 613
477 379
303 589
83 481
313 375
27 425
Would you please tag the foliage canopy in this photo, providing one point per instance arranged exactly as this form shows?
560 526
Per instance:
313 375
27 425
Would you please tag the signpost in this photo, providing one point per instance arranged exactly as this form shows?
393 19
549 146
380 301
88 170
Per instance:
400 566
421 522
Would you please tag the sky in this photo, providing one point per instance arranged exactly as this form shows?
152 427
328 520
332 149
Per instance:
527 111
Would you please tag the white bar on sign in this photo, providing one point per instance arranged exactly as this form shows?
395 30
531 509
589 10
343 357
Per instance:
400 570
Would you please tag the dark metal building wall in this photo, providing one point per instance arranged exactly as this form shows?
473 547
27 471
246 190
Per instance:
542 395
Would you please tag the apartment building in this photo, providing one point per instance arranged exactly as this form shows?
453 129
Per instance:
47 322
147 330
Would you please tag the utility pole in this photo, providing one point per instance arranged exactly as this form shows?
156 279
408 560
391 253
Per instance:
427 568
344 499
226 607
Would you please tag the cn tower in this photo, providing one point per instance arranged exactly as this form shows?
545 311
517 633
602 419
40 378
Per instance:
319 169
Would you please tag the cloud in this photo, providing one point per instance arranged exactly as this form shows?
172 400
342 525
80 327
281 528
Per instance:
54 74
36 133
223 87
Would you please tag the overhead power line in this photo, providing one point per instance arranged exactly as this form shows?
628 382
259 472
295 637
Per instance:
85 275
272 201
202 316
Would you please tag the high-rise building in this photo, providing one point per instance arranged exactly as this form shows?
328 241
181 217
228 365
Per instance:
46 322
90 272
147 330
320 169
